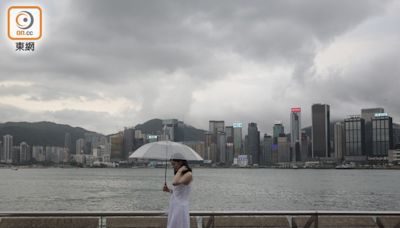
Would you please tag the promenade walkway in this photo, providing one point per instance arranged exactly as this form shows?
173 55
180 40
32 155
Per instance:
201 219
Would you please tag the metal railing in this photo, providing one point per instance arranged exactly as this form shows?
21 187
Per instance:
210 215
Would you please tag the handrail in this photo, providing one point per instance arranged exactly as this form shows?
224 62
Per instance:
192 213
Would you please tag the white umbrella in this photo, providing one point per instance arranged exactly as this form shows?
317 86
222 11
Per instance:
165 150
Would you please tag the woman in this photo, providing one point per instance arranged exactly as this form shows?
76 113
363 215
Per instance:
178 212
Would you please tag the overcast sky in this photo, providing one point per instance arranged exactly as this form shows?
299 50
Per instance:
104 65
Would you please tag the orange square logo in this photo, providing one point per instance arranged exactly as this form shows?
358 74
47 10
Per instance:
24 22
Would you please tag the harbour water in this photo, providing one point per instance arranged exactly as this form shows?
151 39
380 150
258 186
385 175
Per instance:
73 189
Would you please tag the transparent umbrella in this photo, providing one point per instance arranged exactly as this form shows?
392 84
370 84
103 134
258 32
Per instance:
164 150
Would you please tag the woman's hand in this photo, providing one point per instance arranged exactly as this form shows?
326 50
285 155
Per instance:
182 169
165 188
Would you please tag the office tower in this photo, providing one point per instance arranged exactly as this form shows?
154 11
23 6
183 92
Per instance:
1 151
128 142
283 148
68 143
80 146
216 125
320 130
237 139
339 140
207 144
367 114
295 133
305 147
266 155
25 153
229 133
221 142
382 134
116 142
253 137
7 148
355 133
38 153
277 130
170 129
180 133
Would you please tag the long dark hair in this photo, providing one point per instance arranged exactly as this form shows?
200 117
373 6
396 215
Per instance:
184 163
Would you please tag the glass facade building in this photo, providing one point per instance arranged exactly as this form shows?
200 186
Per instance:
355 136
382 135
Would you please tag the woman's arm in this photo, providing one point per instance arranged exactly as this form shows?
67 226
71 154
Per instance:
182 179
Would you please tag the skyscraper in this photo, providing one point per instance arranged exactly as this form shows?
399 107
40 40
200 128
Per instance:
170 128
128 142
295 133
25 152
382 134
355 133
367 114
237 139
339 140
277 130
266 155
7 148
254 143
320 130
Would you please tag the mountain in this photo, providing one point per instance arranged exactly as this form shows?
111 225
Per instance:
154 126
41 133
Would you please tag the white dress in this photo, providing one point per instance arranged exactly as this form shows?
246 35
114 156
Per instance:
178 211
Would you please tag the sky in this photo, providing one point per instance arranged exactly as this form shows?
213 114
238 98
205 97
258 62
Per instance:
105 65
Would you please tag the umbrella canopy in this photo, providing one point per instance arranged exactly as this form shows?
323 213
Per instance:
163 150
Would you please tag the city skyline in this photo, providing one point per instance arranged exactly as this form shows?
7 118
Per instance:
128 63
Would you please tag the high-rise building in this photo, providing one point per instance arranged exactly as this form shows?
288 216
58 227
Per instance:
367 114
295 133
80 146
170 128
355 136
1 151
277 130
253 143
237 139
320 130
8 148
339 140
283 148
216 125
305 147
116 142
25 153
266 155
221 142
382 134
128 142
207 145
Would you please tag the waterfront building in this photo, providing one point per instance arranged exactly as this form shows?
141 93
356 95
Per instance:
237 139
116 141
253 137
7 148
339 141
208 137
221 142
15 154
367 114
80 146
283 149
394 156
266 155
170 129
295 133
278 129
25 153
128 142
38 153
305 147
382 135
320 130
355 139
216 126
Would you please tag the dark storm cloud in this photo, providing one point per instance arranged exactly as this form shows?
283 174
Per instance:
156 54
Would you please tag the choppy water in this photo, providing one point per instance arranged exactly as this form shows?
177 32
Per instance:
56 189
